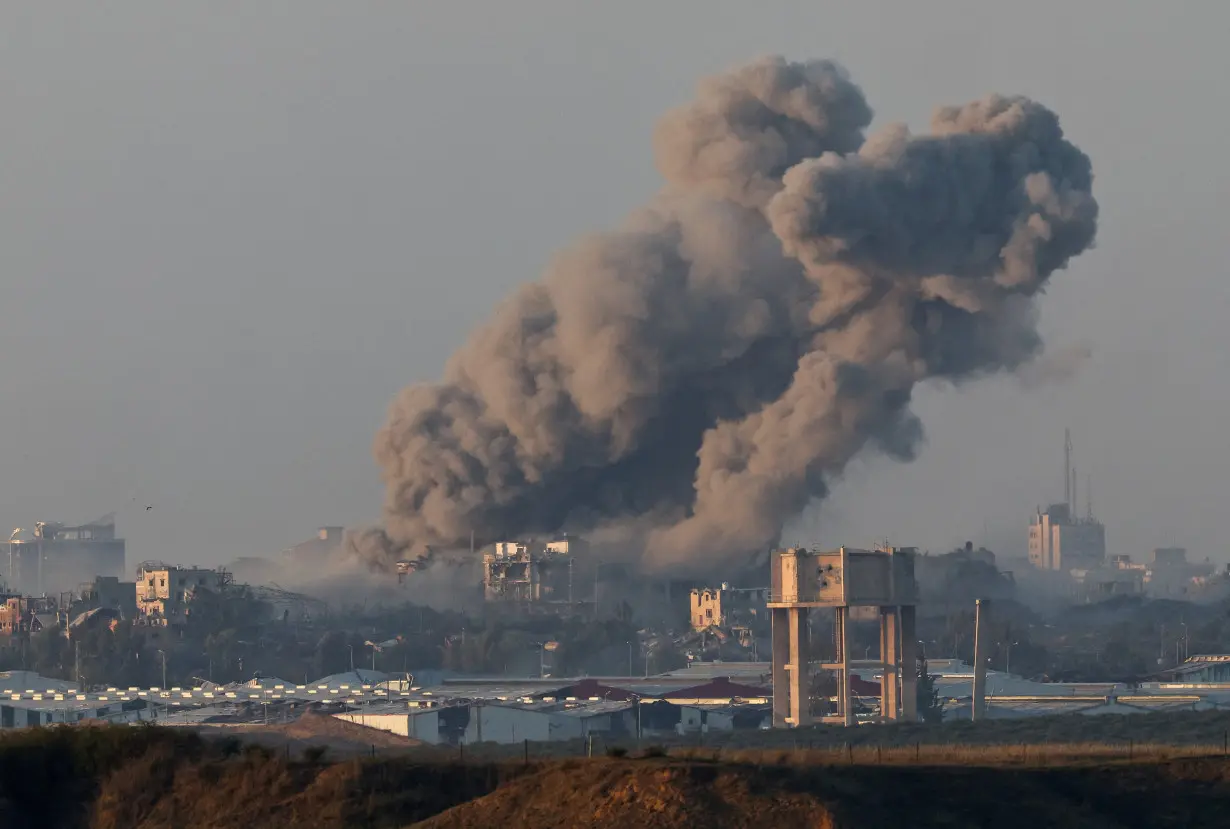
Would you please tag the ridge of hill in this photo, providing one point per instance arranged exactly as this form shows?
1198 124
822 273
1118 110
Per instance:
115 777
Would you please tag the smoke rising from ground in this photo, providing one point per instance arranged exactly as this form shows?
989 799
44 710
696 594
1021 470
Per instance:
706 370
336 576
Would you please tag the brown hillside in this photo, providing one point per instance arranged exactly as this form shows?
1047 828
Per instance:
155 778
669 793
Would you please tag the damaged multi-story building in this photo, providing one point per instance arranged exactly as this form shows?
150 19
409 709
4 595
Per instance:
52 558
531 571
165 591
728 606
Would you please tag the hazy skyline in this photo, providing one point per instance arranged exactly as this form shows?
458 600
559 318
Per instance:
228 240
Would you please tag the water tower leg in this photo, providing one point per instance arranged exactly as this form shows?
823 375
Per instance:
891 659
845 700
909 664
800 690
780 618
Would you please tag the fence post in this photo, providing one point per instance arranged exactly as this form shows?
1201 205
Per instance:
917 751
850 753
461 752
879 754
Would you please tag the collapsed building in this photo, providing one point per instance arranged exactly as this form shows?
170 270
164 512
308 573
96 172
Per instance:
1168 573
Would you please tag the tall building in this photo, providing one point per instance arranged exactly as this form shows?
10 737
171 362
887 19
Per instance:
1058 538
1057 541
57 558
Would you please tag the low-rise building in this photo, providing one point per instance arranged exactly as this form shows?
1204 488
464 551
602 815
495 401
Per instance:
27 614
417 723
1100 583
1171 574
547 719
719 691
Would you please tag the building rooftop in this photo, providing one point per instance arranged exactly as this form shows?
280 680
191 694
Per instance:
719 688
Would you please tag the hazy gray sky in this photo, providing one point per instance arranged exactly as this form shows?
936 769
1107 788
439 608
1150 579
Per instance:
230 232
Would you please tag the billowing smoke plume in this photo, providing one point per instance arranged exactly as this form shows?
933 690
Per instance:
710 367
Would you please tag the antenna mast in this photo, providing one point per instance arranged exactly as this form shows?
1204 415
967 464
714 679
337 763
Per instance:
1068 495
1089 496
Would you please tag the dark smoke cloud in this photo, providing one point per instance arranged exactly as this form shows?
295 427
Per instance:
707 369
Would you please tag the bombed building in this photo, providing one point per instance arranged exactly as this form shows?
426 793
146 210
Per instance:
54 558
531 571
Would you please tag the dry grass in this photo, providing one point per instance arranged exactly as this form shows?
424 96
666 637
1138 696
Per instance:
995 756
153 778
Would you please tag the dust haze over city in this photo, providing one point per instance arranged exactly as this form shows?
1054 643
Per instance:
229 243
864 359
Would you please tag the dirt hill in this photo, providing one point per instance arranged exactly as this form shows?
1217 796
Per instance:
154 778
613 795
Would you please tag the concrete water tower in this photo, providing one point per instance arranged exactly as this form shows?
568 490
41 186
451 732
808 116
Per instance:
842 579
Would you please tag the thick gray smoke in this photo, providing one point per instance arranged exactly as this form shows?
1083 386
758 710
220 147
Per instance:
709 368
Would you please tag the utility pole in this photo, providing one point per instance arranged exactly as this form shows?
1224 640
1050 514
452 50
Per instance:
978 709
163 654
597 569
12 585
77 662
